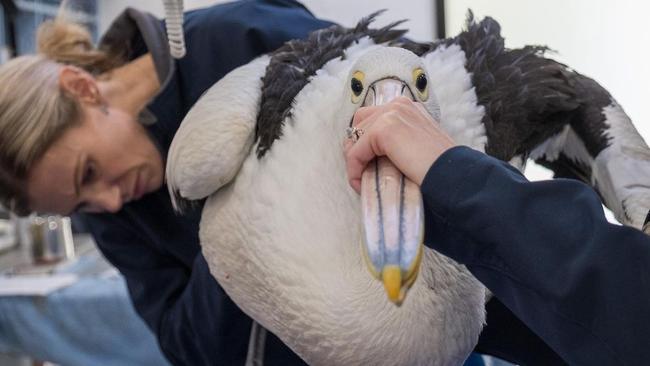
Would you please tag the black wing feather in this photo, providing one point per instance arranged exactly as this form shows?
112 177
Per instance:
293 64
527 97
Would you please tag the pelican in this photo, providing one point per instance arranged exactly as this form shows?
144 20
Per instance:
284 234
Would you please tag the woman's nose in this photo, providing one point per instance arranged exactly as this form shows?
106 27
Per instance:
108 199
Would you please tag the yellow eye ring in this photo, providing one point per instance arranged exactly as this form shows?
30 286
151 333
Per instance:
356 85
421 83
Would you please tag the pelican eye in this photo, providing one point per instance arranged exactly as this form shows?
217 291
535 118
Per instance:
357 86
421 82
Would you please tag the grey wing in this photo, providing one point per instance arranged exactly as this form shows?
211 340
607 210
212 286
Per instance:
602 147
571 124
536 107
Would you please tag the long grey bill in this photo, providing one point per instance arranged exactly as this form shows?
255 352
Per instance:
392 212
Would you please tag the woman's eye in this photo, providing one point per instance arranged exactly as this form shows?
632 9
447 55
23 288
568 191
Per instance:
90 173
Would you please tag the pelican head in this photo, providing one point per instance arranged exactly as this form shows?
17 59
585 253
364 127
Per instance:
391 203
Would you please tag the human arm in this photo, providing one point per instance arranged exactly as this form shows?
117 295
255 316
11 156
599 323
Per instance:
544 249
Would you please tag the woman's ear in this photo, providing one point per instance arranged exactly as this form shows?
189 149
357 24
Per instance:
80 84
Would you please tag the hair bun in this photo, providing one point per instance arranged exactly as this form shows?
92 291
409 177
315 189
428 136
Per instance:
60 40
71 43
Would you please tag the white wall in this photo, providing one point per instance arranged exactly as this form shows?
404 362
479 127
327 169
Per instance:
345 12
420 13
107 10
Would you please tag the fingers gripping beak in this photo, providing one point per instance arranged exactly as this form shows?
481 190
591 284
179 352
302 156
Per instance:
392 212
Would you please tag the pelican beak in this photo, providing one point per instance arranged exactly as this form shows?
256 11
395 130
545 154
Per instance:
392 212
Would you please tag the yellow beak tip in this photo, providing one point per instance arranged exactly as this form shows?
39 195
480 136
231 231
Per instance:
392 278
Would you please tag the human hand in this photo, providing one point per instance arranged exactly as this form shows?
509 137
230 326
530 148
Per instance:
401 130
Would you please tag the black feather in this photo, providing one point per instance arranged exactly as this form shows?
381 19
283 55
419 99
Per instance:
564 167
184 205
293 64
589 123
528 97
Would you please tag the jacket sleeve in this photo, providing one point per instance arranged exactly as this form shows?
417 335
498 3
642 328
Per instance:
547 252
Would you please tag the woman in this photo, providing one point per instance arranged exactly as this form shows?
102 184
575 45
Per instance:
86 130
544 249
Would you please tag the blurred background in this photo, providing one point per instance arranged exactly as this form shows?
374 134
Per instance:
65 275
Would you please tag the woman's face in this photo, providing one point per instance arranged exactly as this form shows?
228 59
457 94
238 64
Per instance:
96 166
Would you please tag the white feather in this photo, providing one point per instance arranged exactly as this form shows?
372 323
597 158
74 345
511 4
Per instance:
284 238
622 170
284 241
216 135
462 117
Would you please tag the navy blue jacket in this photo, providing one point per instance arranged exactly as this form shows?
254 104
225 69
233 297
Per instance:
547 252
157 250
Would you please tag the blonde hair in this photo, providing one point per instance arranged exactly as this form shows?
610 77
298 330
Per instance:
34 110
